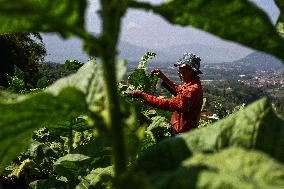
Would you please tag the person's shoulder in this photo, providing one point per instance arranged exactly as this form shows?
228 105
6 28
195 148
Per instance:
190 88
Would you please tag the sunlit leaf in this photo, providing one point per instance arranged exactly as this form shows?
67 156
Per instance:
231 168
89 79
41 15
71 165
159 128
98 178
255 127
121 68
145 59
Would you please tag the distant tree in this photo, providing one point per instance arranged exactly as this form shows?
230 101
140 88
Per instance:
23 50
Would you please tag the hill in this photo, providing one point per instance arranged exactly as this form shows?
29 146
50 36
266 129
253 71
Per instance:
59 50
260 61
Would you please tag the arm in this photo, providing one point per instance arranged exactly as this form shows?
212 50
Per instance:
181 102
166 80
172 104
172 91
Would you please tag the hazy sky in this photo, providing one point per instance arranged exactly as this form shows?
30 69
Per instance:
147 29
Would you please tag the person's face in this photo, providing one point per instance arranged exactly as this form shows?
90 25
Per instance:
185 73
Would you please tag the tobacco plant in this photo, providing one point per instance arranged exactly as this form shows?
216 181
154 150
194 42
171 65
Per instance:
93 93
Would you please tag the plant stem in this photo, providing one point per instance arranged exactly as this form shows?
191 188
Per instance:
111 14
70 140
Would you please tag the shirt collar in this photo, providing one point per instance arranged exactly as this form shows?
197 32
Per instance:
193 81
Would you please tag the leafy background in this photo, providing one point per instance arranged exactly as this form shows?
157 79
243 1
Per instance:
110 140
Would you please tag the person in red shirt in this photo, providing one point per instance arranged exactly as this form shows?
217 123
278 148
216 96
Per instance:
186 105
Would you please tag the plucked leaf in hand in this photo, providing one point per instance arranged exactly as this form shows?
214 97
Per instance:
145 59
139 79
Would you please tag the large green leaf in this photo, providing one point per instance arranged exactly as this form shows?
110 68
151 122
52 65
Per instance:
97 150
280 5
159 128
47 184
71 165
42 15
19 117
280 23
231 168
89 79
236 20
63 128
98 178
255 127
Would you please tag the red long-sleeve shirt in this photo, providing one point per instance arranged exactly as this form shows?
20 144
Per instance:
186 105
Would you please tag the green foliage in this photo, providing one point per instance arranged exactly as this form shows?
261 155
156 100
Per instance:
155 121
139 79
72 64
98 178
89 80
159 128
19 73
92 92
20 54
31 112
236 168
55 16
35 163
220 110
53 71
42 82
71 165
252 128
17 85
47 184
280 5
145 59
98 150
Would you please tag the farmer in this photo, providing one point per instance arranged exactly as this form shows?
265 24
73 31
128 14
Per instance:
186 105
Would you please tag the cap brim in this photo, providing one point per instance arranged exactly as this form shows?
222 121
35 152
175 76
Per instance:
180 65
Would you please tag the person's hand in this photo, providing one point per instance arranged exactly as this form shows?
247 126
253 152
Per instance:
135 94
158 73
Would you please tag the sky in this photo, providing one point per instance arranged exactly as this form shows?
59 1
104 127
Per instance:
146 29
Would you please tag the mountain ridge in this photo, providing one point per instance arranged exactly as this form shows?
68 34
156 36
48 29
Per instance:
60 50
